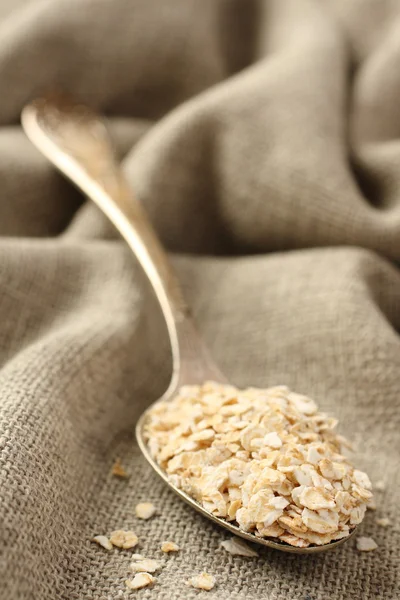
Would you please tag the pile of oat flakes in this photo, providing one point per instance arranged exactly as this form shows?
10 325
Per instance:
263 459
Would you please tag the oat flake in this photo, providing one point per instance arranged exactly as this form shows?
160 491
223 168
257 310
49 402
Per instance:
204 581
238 547
124 539
118 470
366 544
140 580
145 565
145 510
169 547
103 541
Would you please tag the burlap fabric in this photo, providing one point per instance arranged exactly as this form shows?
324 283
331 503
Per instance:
263 139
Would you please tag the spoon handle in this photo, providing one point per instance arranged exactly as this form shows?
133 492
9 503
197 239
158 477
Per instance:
76 141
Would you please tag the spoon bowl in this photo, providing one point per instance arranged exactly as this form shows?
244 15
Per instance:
75 140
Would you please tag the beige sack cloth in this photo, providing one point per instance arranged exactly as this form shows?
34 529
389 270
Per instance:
264 141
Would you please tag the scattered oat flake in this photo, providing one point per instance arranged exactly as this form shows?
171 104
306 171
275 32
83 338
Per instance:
169 547
124 539
238 547
118 470
137 557
204 581
380 486
366 544
146 565
103 541
140 580
383 522
145 510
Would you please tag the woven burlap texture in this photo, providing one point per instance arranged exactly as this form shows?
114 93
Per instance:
264 141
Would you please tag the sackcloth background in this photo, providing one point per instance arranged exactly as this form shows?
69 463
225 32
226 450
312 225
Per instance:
263 139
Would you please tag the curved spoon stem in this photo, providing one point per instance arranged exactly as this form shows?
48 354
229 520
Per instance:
76 141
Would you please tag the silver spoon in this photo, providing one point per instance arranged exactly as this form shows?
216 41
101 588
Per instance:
76 141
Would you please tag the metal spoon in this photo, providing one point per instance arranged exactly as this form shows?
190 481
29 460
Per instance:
76 141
